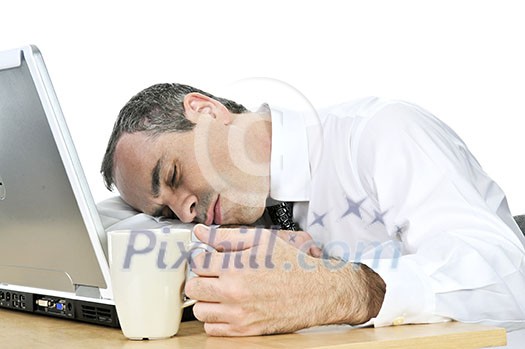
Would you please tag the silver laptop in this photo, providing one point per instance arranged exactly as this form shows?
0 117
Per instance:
53 257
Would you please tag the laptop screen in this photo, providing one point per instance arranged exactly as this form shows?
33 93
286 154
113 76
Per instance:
44 239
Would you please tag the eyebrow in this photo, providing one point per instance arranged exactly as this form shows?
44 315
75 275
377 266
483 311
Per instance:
155 179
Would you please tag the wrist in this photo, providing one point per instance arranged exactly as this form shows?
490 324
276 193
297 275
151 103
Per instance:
354 292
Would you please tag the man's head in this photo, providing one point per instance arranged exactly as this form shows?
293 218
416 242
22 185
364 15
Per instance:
176 150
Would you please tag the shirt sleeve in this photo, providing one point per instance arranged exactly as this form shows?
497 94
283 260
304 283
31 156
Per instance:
462 255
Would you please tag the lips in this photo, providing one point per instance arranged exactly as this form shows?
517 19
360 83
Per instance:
213 215
217 217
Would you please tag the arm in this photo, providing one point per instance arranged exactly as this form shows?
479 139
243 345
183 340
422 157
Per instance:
259 284
463 257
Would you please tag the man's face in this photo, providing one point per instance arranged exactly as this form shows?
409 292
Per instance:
195 175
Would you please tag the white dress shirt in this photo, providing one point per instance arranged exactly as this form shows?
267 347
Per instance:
387 184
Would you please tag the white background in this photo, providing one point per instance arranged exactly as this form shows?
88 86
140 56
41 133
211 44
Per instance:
462 60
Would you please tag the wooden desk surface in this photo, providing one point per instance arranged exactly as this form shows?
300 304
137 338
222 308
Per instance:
21 330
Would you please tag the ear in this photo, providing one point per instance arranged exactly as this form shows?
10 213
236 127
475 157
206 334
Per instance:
197 105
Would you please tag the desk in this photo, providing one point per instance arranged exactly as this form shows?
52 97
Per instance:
21 330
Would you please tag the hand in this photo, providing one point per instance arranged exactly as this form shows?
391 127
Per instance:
301 240
258 283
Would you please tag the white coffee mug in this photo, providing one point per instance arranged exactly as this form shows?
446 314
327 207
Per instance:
148 271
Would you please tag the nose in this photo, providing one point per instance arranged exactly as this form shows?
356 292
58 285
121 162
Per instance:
184 206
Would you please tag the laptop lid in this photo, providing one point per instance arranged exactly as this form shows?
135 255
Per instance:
50 234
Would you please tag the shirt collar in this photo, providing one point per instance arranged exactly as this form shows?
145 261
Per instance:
290 166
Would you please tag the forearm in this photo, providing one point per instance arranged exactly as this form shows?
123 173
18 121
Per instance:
274 287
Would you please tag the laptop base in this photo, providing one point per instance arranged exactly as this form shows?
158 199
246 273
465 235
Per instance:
73 309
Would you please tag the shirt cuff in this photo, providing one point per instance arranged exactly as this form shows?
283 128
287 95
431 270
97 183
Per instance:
409 297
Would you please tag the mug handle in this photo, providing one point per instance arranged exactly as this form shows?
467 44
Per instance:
188 303
195 245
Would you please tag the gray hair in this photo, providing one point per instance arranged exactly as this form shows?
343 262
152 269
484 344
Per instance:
155 110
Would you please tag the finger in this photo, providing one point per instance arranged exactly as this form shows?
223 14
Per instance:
219 264
207 289
300 239
315 251
230 330
230 239
218 329
212 312
210 264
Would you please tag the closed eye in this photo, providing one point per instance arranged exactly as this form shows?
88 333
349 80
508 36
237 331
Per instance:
174 177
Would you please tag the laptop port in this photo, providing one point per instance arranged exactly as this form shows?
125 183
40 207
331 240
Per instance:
45 303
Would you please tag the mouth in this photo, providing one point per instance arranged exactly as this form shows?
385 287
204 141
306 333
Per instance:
214 213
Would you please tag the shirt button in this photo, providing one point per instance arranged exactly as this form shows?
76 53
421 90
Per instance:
398 321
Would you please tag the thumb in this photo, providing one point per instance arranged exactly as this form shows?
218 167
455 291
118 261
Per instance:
228 239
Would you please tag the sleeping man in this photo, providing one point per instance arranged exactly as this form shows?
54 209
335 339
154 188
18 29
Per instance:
380 214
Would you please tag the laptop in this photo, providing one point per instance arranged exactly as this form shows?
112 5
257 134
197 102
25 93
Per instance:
53 250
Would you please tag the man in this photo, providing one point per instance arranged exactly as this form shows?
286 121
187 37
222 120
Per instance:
411 229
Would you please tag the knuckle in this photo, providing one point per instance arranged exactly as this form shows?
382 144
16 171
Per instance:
240 313
238 294
212 291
